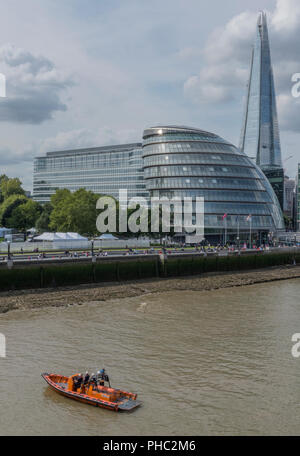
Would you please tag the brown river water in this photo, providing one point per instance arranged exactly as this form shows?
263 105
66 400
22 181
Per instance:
204 363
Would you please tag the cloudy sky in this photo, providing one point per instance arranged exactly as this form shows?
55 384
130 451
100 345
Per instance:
88 73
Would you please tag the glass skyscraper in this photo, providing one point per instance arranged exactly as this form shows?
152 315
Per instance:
260 131
103 170
184 161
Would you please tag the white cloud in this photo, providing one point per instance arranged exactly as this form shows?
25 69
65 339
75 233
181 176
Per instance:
289 109
34 87
85 137
286 17
215 83
232 41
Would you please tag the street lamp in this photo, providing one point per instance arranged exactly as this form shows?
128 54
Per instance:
92 241
8 250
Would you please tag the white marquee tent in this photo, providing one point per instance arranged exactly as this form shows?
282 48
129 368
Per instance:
63 240
60 237
107 237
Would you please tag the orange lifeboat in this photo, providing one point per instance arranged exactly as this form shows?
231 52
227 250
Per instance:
97 395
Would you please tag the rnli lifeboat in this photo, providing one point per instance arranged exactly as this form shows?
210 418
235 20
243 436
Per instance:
93 394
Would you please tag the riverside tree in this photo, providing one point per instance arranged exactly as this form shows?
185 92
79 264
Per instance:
10 186
74 211
16 210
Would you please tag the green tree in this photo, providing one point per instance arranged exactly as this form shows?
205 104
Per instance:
74 211
60 203
82 212
43 221
8 206
24 215
10 186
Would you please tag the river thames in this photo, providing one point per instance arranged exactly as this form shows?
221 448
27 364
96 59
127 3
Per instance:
203 363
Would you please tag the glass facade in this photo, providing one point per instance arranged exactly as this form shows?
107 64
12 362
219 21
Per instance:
103 170
183 161
260 132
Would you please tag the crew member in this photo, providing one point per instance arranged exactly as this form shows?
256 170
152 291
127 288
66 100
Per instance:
79 380
100 379
93 379
104 376
86 378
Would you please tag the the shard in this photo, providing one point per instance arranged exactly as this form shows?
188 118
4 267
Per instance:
260 132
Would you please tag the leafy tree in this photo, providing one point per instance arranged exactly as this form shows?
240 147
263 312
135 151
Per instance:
10 187
43 221
82 212
74 211
60 202
24 215
8 206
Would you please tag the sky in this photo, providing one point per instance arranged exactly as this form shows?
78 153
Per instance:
84 74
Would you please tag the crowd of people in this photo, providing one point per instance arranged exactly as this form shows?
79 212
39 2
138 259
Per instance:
86 380
167 250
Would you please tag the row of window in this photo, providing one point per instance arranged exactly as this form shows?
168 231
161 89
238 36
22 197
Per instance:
195 158
235 208
190 147
157 171
44 197
181 137
54 180
238 222
218 195
53 165
209 182
84 174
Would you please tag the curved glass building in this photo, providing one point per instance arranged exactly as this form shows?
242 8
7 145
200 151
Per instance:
183 161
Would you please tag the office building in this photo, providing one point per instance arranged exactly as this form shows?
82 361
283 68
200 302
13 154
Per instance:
289 192
103 170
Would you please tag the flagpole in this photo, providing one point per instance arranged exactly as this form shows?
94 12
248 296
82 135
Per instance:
251 232
225 228
238 236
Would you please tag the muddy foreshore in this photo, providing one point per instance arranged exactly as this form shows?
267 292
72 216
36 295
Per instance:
66 296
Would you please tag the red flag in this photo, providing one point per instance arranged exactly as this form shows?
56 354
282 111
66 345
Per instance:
224 216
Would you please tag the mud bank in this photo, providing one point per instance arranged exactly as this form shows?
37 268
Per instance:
76 295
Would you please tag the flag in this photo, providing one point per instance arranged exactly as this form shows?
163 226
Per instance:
224 216
249 217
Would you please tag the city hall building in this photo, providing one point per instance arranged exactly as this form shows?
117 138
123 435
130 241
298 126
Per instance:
188 162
